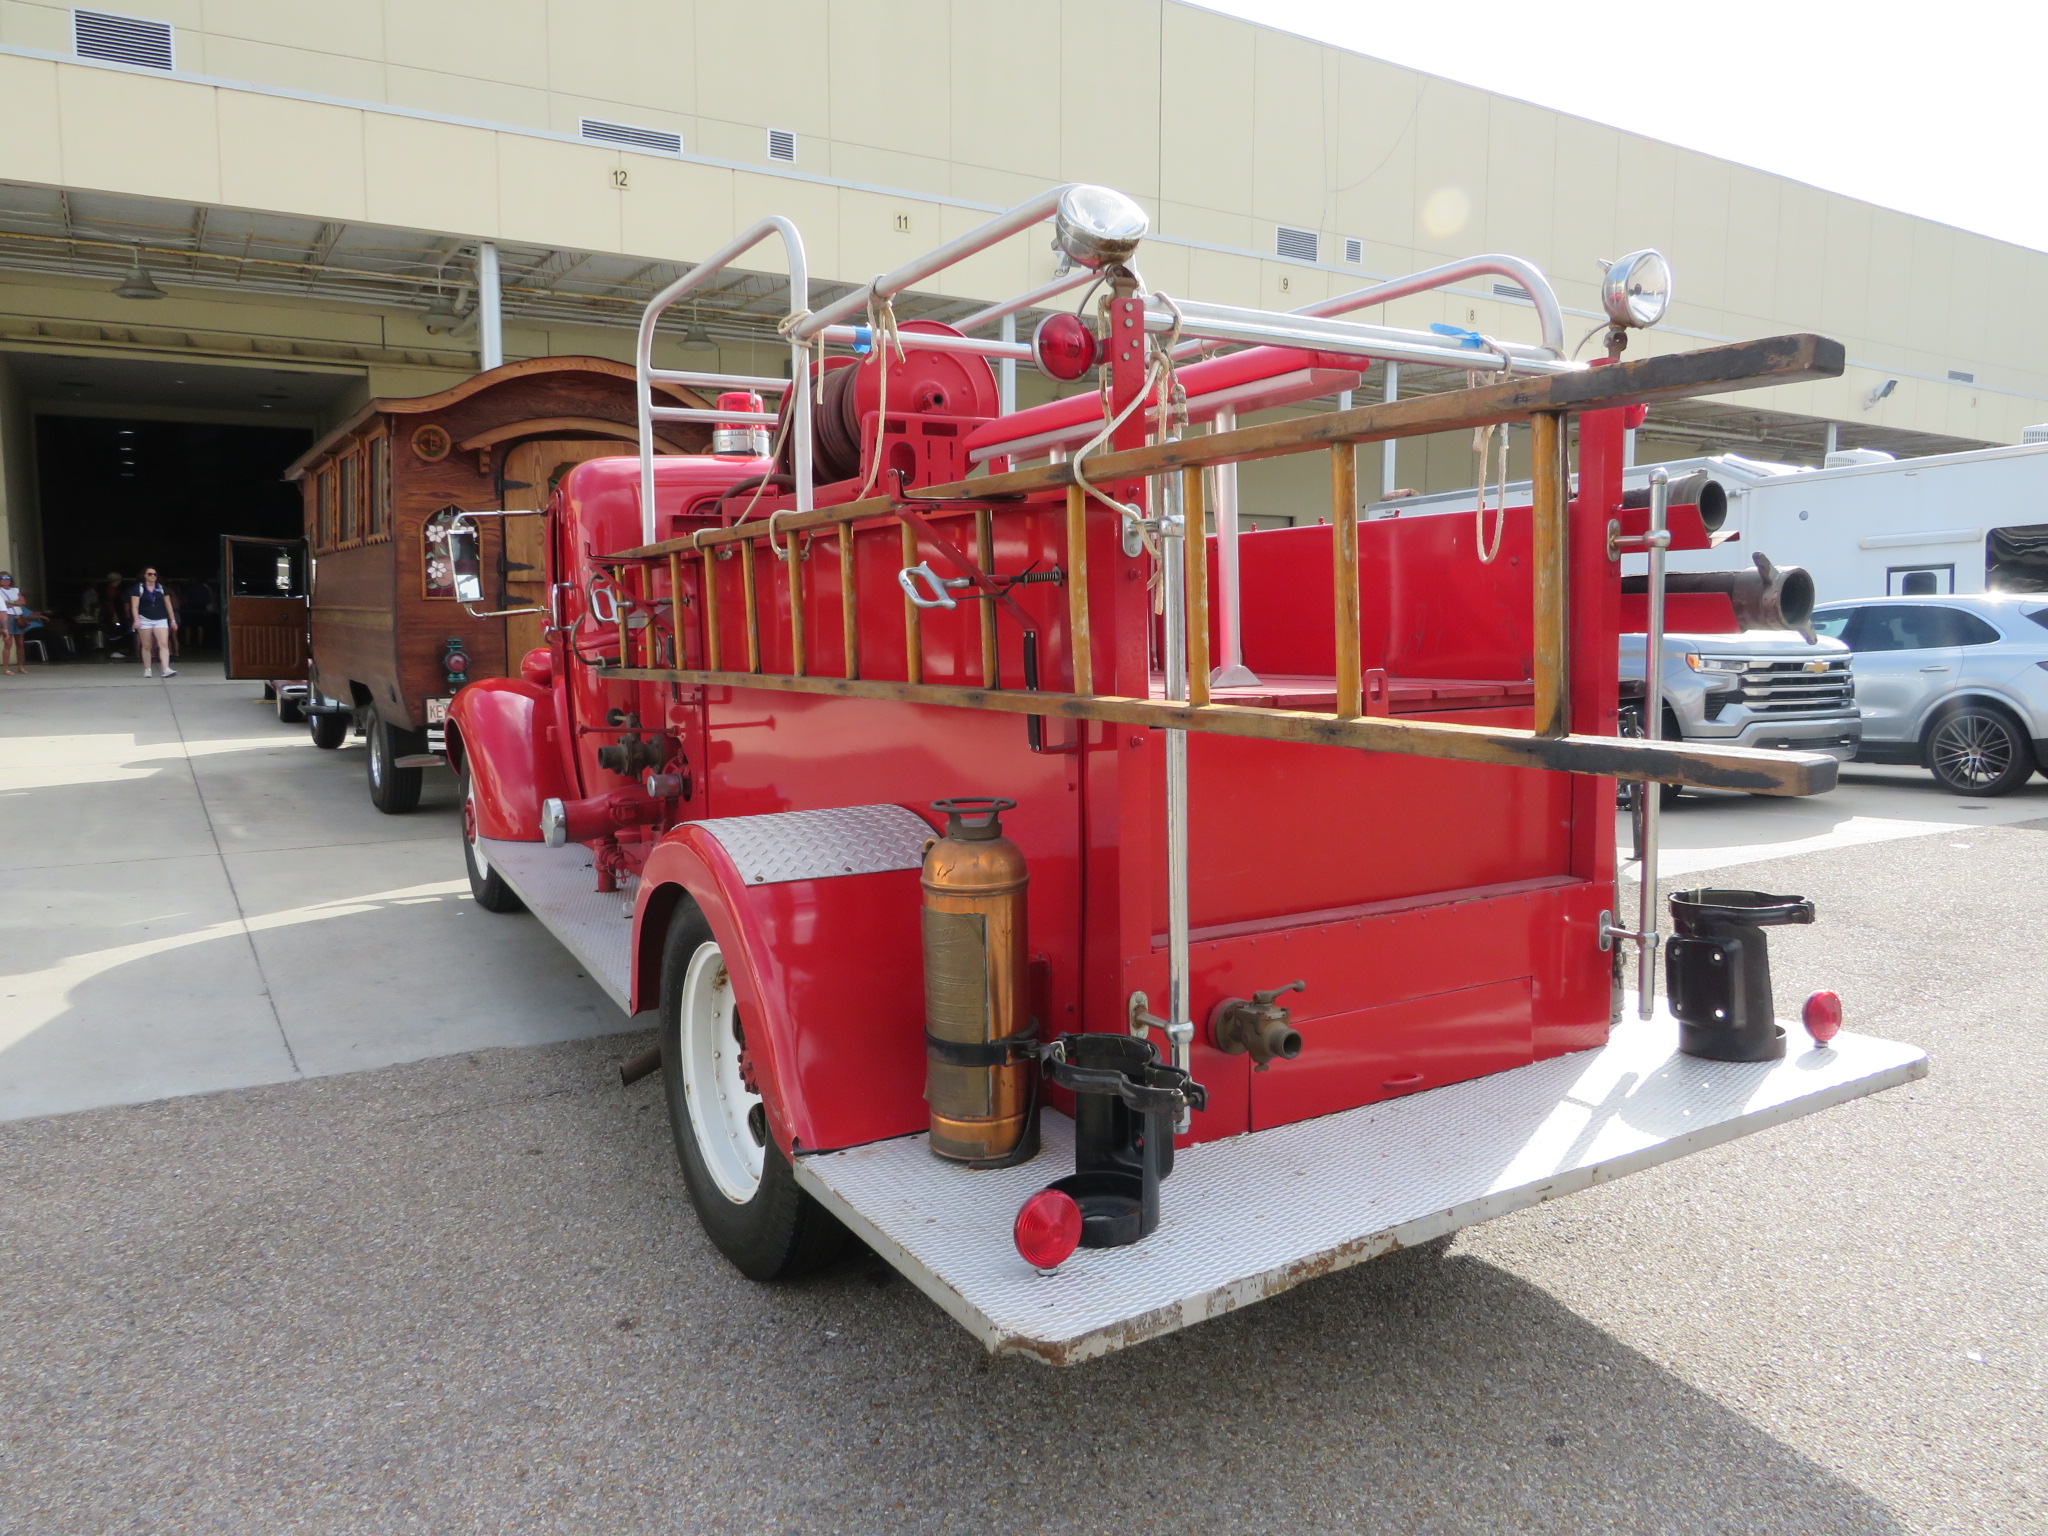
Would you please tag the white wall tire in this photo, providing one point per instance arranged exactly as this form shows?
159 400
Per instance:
728 1118
743 1190
487 888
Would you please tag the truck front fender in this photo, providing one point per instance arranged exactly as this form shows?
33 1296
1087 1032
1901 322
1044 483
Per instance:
498 734
821 938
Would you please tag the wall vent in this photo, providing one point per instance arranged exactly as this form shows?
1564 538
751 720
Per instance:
626 136
781 144
121 39
1513 291
1299 244
1354 251
1957 376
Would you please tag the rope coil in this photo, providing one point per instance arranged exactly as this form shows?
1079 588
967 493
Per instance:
1483 439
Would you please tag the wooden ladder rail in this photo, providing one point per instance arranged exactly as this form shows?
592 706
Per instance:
1079 642
849 611
1344 572
714 643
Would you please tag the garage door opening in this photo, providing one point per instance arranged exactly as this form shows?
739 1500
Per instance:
123 496
143 464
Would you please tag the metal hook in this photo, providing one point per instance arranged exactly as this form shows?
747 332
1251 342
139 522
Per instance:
909 576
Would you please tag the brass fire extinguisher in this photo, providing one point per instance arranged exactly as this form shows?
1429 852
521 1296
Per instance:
980 1085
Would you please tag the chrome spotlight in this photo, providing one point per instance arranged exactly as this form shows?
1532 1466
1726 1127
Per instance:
1095 227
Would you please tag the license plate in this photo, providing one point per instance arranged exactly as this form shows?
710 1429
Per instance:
437 711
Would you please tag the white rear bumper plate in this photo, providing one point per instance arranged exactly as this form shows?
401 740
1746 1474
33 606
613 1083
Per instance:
1251 1216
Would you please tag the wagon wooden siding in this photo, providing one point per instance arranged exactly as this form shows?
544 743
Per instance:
373 485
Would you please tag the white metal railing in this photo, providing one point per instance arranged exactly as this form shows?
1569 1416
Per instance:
645 373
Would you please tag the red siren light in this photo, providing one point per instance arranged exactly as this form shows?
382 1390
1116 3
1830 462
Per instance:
740 438
1048 1229
1822 1016
1063 347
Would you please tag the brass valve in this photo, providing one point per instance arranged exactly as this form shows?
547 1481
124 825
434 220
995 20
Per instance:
1260 1026
633 755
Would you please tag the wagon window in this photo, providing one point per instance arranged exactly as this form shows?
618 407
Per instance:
324 531
439 570
351 498
377 523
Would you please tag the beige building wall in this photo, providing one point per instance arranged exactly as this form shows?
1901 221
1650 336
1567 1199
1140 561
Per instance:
461 116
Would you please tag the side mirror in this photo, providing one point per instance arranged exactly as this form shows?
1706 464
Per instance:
466 563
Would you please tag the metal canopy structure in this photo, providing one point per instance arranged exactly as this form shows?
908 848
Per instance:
199 247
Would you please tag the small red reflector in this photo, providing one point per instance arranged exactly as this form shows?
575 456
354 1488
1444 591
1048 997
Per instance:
1823 1016
1048 1229
1063 347
457 663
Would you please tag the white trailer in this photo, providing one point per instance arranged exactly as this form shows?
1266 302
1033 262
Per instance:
1867 525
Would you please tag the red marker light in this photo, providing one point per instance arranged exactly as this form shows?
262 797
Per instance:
1822 1016
1063 347
457 662
1048 1229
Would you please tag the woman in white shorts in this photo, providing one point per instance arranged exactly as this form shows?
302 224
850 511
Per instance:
13 624
153 613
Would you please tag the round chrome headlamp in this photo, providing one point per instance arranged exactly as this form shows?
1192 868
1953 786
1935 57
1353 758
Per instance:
1096 227
1637 289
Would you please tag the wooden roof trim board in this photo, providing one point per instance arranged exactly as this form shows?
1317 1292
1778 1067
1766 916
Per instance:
476 384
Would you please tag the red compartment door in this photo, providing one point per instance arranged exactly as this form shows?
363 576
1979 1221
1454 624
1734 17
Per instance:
1348 1059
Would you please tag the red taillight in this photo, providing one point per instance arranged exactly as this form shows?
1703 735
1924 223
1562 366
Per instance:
455 661
1048 1229
1822 1016
1063 347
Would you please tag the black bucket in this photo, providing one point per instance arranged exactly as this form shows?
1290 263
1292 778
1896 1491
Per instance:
1717 970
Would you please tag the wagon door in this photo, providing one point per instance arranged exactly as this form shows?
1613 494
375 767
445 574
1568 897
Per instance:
532 471
263 586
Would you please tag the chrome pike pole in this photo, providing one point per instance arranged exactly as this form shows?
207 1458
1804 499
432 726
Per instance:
1652 793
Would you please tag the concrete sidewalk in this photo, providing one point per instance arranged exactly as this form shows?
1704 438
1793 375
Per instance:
194 897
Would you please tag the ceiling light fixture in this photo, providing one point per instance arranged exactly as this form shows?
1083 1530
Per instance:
441 316
138 284
696 338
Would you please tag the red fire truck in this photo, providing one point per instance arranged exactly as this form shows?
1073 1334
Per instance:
972 902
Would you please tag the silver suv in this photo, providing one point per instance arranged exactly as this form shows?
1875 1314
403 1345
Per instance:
1956 684
1760 688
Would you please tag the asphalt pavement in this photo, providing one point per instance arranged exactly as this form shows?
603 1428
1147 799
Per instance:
465 1293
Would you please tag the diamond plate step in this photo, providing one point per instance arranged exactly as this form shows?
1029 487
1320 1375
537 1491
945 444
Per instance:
558 887
1253 1215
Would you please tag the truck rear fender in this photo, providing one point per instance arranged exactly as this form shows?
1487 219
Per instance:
498 730
828 975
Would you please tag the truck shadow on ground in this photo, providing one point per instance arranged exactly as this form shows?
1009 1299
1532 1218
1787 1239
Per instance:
469 1293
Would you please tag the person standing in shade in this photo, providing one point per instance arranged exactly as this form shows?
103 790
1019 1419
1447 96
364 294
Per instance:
153 614
13 624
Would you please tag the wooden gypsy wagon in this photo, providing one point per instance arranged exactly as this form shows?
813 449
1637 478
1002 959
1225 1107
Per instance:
390 644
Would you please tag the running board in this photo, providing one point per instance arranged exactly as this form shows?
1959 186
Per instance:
558 886
1250 1216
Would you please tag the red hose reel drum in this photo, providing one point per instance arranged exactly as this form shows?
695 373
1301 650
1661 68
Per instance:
926 383
921 383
